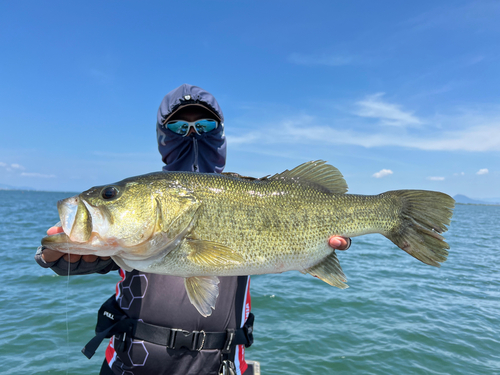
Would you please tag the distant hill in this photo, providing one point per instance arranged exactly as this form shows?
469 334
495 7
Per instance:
466 200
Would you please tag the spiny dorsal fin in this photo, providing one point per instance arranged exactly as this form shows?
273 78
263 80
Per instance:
317 173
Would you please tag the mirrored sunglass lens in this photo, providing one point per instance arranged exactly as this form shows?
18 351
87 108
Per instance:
179 127
205 125
201 126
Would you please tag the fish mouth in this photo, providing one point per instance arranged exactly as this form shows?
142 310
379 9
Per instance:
76 220
76 225
80 229
86 229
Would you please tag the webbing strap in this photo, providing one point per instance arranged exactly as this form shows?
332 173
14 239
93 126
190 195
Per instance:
173 338
193 340
121 326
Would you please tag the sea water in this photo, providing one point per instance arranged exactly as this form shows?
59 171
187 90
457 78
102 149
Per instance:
399 316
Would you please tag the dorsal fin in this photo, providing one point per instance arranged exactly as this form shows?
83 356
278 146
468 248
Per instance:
316 173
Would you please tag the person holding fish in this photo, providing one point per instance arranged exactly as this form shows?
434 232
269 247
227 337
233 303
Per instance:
159 329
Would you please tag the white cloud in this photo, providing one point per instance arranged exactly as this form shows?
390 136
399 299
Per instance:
476 138
245 139
382 173
436 178
324 59
459 174
39 175
388 113
467 130
17 166
2 164
482 171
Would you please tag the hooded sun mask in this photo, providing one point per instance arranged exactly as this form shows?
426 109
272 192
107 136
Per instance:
204 152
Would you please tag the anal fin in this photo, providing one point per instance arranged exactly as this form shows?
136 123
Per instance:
329 271
202 292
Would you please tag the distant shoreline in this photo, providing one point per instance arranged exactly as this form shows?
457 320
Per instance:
478 204
39 191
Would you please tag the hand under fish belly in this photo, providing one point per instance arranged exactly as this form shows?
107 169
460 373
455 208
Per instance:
200 226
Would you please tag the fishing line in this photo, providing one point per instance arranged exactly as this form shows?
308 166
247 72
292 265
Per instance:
67 323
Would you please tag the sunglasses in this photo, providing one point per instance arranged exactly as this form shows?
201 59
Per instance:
200 126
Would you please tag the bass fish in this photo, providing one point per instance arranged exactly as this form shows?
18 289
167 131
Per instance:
200 226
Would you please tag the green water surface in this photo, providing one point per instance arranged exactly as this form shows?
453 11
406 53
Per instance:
399 316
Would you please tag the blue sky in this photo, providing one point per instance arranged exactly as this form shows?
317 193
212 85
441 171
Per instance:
395 94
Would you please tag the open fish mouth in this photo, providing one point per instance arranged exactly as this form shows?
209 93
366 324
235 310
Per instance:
81 227
85 230
76 220
80 220
74 227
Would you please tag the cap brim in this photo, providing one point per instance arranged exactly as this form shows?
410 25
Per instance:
216 116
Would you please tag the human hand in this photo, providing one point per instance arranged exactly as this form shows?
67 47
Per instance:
50 255
339 243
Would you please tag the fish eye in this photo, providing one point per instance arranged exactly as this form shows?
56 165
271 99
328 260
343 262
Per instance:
109 192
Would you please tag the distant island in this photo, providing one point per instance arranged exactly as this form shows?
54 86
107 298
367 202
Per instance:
466 200
10 187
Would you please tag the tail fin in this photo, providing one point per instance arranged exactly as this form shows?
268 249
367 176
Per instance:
424 214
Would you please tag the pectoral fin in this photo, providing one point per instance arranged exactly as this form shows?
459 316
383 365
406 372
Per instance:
329 271
212 254
203 292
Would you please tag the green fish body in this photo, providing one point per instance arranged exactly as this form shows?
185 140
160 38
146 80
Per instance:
200 226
